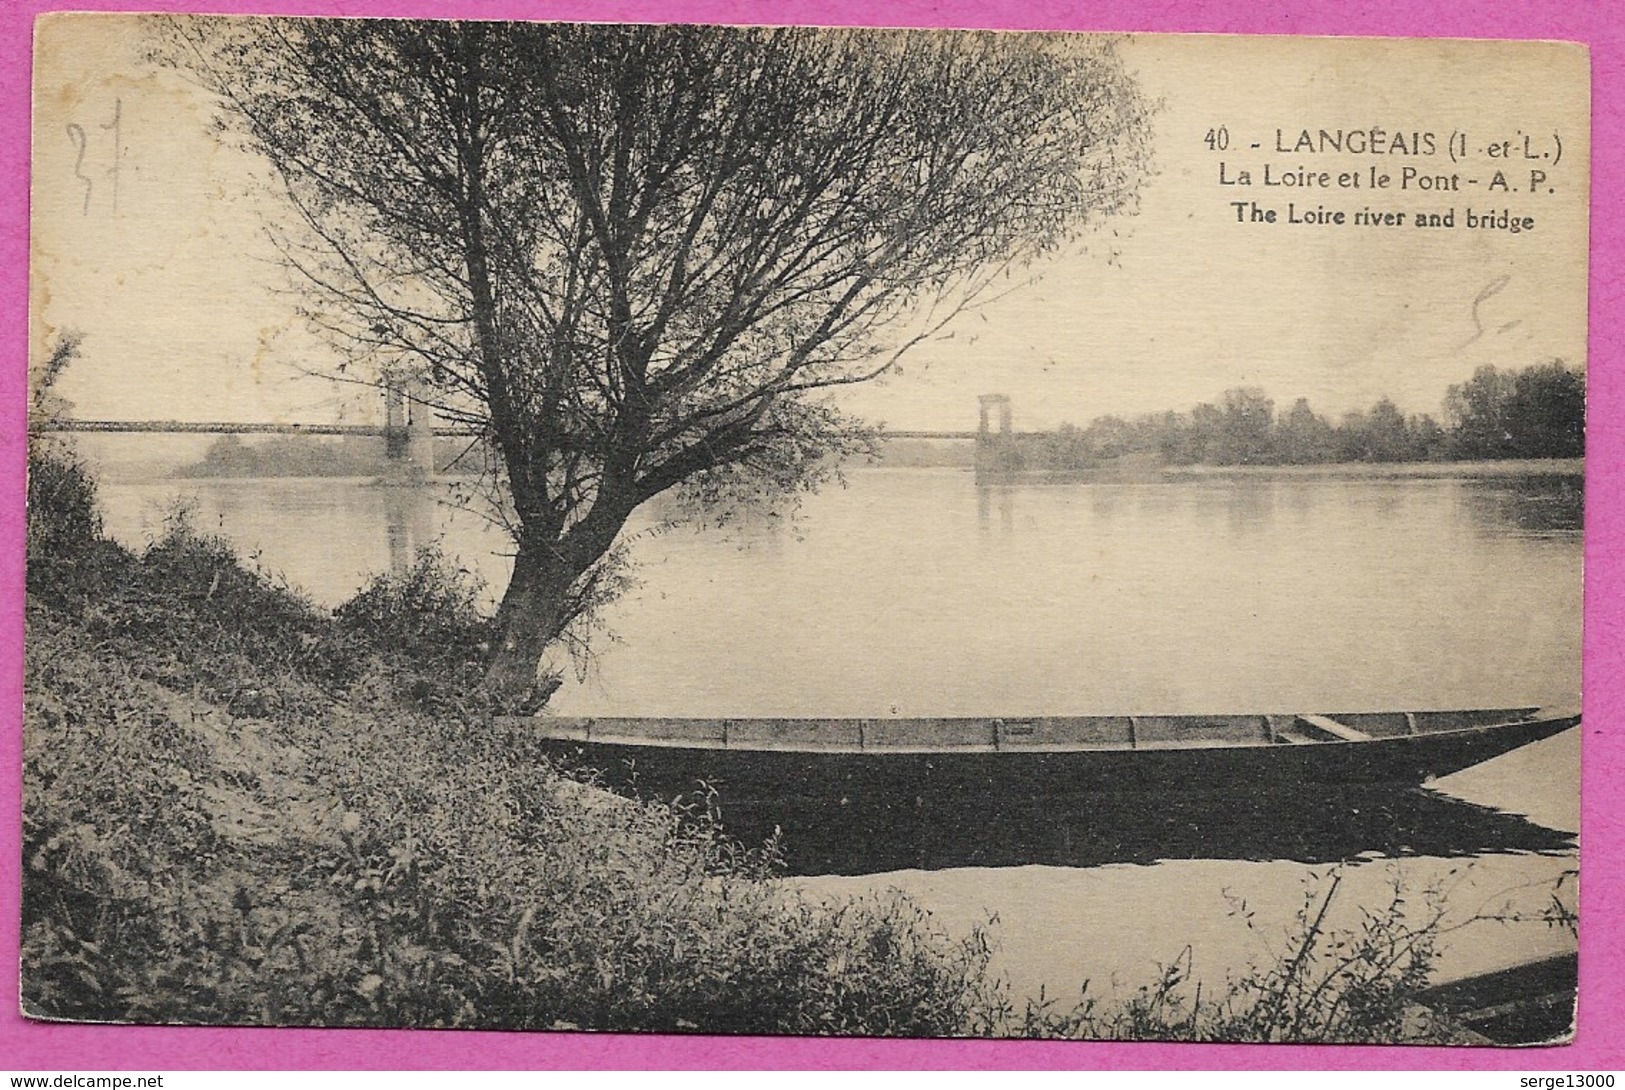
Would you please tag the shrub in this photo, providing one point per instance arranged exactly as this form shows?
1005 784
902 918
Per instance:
189 615
426 624
63 522
396 870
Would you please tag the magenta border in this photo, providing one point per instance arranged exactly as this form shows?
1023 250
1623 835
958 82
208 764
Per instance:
25 1045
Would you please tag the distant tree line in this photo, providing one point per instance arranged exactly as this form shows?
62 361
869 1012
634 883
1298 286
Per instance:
1538 412
925 454
308 456
290 456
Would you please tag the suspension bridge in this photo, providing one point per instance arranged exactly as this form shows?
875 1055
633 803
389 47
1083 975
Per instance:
409 429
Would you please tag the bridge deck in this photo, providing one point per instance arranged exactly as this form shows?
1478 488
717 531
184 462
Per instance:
233 427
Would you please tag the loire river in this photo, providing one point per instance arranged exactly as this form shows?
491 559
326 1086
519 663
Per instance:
914 592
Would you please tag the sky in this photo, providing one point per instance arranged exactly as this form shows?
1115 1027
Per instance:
148 241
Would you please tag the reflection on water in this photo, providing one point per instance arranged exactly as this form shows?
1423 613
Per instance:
1540 506
914 592
409 524
1002 497
1315 826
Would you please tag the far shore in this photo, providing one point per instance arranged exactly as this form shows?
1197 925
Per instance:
1144 473
1509 467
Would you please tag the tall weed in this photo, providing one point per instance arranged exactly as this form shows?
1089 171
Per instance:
1353 985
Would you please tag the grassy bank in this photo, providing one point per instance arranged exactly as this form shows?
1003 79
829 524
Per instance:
239 809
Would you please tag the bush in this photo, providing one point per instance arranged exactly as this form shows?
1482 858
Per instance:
426 624
63 525
63 521
188 615
69 562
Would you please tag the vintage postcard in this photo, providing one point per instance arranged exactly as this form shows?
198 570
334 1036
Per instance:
692 529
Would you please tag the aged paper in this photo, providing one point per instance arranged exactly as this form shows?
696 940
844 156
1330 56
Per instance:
825 532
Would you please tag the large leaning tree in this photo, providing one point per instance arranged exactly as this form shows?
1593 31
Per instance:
640 257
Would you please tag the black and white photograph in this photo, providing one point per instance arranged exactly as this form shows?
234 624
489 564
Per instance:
831 532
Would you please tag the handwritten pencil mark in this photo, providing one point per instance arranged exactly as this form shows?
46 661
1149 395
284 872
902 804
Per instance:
1489 291
76 133
115 126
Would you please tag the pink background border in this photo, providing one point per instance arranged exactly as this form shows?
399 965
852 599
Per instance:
25 1045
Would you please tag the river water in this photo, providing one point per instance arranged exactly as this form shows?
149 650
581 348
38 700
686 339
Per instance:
914 592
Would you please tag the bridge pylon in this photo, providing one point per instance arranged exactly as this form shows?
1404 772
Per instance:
996 452
408 430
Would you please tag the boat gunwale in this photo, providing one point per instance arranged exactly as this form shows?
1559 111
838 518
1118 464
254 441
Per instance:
578 730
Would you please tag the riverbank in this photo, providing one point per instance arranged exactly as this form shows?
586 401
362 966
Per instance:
243 810
1507 468
1137 471
297 818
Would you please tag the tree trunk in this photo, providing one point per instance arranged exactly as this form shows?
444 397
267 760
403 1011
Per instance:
546 594
533 613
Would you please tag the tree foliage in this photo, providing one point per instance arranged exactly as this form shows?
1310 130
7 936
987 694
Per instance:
1537 412
634 256
63 522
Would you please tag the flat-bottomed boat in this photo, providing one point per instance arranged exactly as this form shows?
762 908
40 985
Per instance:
764 760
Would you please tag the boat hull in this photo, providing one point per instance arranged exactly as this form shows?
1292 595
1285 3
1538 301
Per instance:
746 773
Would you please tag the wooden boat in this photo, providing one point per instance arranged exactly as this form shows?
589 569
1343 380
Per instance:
1527 1004
763 760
